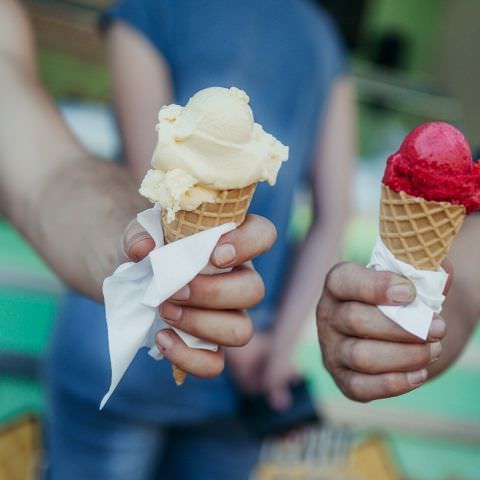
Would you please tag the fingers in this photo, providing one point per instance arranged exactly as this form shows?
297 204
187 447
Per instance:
198 362
280 398
365 321
352 282
253 237
136 242
227 328
364 388
375 356
239 289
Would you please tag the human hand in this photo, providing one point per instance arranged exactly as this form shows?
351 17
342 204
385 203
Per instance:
257 369
280 373
368 355
247 364
211 307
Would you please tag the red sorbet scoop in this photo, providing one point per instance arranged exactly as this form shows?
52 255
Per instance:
434 162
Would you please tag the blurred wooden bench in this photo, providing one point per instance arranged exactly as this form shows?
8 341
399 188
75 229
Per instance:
69 26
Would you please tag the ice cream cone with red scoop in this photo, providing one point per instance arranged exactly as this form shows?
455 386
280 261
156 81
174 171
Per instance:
430 185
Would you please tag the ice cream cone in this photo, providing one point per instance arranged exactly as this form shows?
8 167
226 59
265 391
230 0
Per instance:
231 206
417 231
179 375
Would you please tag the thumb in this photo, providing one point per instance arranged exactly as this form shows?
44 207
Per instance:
136 243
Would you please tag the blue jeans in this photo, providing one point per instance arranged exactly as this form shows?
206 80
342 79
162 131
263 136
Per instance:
83 443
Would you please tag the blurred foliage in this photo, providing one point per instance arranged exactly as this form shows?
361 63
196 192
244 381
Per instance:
68 77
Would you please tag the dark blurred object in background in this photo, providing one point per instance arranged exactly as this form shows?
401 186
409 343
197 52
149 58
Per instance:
389 50
262 421
349 17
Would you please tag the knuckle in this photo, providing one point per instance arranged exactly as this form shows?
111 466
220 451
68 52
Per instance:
241 333
272 233
334 277
372 288
326 360
391 385
210 288
249 330
354 390
360 357
216 367
424 355
376 287
349 314
323 312
256 288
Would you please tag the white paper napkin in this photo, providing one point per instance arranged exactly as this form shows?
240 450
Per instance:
135 291
416 317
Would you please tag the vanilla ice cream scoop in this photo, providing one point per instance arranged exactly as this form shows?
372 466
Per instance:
218 113
213 144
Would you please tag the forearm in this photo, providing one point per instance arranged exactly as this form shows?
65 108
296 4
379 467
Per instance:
462 306
71 207
317 255
78 222
331 183
130 52
461 321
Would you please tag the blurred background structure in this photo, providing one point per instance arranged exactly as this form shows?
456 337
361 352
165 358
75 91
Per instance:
413 62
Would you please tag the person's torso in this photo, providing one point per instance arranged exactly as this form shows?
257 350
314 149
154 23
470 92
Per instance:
283 53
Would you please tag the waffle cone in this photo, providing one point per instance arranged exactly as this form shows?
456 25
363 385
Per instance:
178 374
231 206
417 231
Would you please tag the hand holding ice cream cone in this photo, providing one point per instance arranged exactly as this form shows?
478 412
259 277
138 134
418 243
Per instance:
211 308
209 157
430 185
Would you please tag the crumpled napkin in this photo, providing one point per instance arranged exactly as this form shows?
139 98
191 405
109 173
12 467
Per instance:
416 317
135 291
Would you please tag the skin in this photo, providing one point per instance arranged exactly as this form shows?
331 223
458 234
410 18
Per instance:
136 112
332 175
77 210
369 356
265 365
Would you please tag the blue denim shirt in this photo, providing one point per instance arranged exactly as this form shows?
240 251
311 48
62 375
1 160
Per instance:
286 55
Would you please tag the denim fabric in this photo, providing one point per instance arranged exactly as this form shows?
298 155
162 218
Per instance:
84 443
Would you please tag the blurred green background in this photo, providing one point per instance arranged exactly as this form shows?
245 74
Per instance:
402 62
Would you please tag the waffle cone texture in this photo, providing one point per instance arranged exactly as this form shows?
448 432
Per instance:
417 231
231 206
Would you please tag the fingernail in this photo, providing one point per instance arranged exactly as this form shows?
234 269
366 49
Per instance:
131 250
401 293
134 257
164 341
417 378
171 312
435 351
182 294
224 254
437 329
